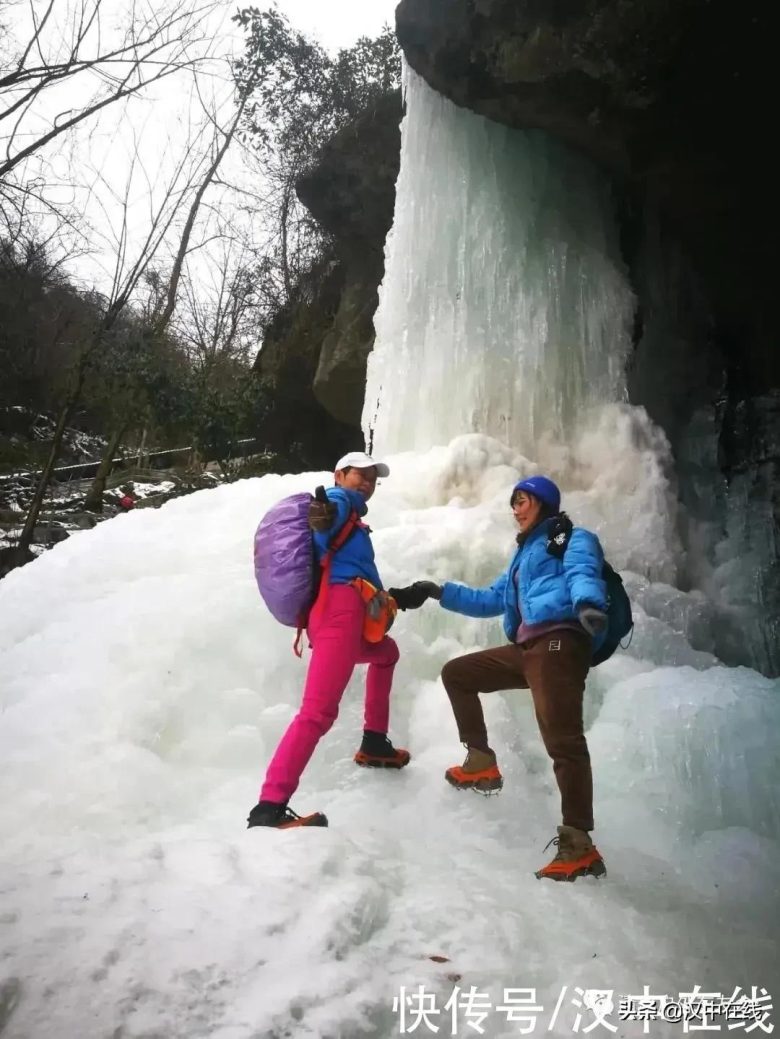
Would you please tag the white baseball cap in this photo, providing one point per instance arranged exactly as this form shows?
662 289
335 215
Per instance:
360 460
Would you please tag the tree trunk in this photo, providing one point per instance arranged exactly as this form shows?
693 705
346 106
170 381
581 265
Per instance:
284 217
141 450
22 550
94 500
195 462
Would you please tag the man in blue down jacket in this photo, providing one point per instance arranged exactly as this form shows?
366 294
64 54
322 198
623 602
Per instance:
554 604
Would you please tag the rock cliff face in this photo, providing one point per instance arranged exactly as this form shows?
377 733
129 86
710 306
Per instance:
298 430
351 193
314 355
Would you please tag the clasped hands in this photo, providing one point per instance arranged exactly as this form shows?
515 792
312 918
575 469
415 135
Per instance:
414 595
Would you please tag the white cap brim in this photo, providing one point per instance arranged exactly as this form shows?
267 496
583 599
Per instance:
360 460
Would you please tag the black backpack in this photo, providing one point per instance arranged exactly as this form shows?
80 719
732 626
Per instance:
620 621
619 618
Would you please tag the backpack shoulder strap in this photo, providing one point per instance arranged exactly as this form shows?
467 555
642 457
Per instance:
351 524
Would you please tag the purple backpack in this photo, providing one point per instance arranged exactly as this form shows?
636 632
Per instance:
285 567
285 564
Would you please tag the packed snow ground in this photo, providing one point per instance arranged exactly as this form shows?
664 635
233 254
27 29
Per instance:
145 687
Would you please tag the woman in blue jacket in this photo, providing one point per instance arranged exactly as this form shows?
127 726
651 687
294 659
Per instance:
554 603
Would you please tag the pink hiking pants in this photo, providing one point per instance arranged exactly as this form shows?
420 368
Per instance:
338 645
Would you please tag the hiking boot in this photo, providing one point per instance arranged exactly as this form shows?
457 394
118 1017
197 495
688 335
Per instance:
269 813
478 772
376 751
577 857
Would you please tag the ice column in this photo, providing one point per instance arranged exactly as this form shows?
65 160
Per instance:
505 308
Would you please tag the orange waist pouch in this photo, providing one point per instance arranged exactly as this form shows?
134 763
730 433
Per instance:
380 610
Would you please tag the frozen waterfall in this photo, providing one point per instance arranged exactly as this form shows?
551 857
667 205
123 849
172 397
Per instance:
505 309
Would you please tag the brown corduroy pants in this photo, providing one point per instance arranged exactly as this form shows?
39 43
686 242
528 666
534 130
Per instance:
554 667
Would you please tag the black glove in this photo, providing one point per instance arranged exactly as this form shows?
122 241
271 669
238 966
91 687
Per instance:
412 597
593 620
322 512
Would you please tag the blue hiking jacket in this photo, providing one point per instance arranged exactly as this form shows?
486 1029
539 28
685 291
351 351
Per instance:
537 587
355 558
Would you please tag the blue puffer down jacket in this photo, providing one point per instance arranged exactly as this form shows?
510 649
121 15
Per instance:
537 587
355 558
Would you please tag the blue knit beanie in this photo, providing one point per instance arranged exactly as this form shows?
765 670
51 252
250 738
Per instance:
542 488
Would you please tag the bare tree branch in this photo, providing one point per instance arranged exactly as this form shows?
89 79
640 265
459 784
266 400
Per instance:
153 47
181 254
35 38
